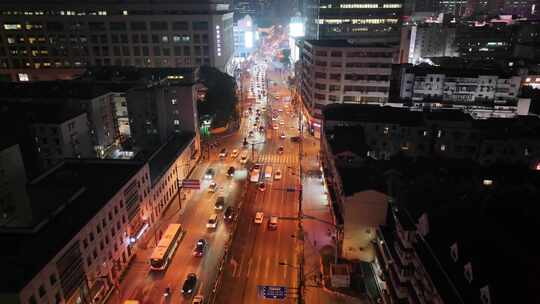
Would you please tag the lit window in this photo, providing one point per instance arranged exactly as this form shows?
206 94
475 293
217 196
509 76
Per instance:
443 147
12 26
487 182
125 13
173 101
439 133
176 122
23 77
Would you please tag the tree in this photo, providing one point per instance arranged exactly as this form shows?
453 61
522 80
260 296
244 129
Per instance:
220 101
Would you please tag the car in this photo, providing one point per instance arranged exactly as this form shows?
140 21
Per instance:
223 153
209 174
250 134
275 127
198 299
200 248
296 139
259 217
229 214
212 222
212 187
189 283
257 118
255 125
273 223
282 135
244 157
261 187
220 203
277 175
280 150
230 171
281 122
256 168
274 118
234 153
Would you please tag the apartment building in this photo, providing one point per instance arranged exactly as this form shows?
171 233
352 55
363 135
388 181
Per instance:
385 132
458 85
340 71
62 135
160 110
36 35
75 244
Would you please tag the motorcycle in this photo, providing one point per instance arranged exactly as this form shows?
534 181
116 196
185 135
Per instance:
167 292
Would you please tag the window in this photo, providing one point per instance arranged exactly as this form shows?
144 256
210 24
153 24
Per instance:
180 25
41 291
57 298
158 25
155 39
176 122
173 101
200 25
138 26
96 26
88 261
12 26
118 26
91 236
52 279
32 300
85 244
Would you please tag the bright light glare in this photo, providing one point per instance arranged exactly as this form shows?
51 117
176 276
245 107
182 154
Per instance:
296 29
248 37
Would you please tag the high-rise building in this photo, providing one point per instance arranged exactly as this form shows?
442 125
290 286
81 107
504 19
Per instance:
376 21
338 71
36 34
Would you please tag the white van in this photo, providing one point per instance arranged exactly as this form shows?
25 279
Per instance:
273 223
268 172
244 156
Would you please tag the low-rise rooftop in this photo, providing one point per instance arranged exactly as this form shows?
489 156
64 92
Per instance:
62 201
167 154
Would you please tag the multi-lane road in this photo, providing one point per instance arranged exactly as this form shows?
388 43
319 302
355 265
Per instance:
258 256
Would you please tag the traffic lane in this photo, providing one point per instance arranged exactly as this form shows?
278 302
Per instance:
272 247
194 222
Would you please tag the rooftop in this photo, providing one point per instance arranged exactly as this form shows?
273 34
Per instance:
371 113
343 43
51 89
424 70
62 201
165 156
490 229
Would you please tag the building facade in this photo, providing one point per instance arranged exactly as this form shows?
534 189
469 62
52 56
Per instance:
376 21
459 86
156 112
96 33
425 40
338 71
67 137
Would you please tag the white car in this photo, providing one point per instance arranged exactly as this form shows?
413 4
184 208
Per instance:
277 175
259 216
198 299
282 135
234 153
281 123
275 127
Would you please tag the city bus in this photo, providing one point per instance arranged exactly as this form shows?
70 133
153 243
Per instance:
166 247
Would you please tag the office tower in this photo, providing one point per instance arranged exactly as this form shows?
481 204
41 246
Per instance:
41 35
376 21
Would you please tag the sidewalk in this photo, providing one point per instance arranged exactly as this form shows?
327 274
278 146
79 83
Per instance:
317 240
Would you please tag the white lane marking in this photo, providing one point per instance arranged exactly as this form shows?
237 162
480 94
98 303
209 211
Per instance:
266 267
258 266
249 267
